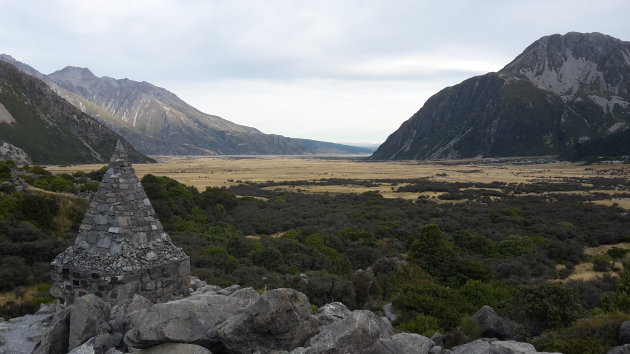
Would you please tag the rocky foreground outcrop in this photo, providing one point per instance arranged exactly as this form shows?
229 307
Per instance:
229 320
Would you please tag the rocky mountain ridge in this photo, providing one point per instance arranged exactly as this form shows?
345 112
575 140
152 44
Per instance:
47 128
561 93
158 122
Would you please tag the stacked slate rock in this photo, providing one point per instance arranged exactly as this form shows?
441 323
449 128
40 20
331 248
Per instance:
121 248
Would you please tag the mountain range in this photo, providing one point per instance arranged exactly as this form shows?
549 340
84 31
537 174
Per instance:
565 95
39 126
157 122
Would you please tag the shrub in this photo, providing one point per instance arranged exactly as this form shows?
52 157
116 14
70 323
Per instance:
421 324
496 295
595 334
269 258
546 306
427 298
470 327
431 253
601 264
5 171
89 186
617 252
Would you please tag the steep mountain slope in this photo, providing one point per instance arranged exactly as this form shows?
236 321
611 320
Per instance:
47 127
560 93
158 122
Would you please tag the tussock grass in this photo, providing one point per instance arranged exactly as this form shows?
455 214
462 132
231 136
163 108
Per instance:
225 171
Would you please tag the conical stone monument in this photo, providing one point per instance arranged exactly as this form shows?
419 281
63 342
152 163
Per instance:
121 248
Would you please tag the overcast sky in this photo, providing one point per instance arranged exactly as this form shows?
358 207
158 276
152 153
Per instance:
338 70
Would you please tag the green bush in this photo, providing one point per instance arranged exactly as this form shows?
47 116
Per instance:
595 334
470 327
515 245
89 186
617 252
268 258
448 306
430 251
36 169
469 243
54 183
478 293
546 306
5 171
421 324
601 264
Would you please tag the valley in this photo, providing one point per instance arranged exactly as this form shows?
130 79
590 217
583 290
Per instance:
224 171
428 243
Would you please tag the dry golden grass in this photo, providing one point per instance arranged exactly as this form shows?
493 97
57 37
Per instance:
384 189
10 296
620 202
224 171
601 250
585 272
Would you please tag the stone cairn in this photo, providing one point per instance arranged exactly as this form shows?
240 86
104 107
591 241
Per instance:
121 248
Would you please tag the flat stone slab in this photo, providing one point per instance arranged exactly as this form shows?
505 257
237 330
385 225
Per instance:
20 334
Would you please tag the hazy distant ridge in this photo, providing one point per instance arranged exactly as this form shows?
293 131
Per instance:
158 122
44 128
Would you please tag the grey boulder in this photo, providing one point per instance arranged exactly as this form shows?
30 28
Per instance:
623 336
175 348
494 346
493 325
331 312
89 317
55 340
357 332
85 348
189 320
437 338
622 349
280 320
403 343
120 314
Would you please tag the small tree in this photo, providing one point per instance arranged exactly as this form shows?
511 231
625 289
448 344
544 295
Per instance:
620 299
430 252
546 306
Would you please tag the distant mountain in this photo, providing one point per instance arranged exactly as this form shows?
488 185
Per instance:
321 147
561 93
157 122
47 128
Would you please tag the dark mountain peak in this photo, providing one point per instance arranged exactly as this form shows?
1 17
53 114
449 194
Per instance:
575 63
7 58
562 91
591 46
73 74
